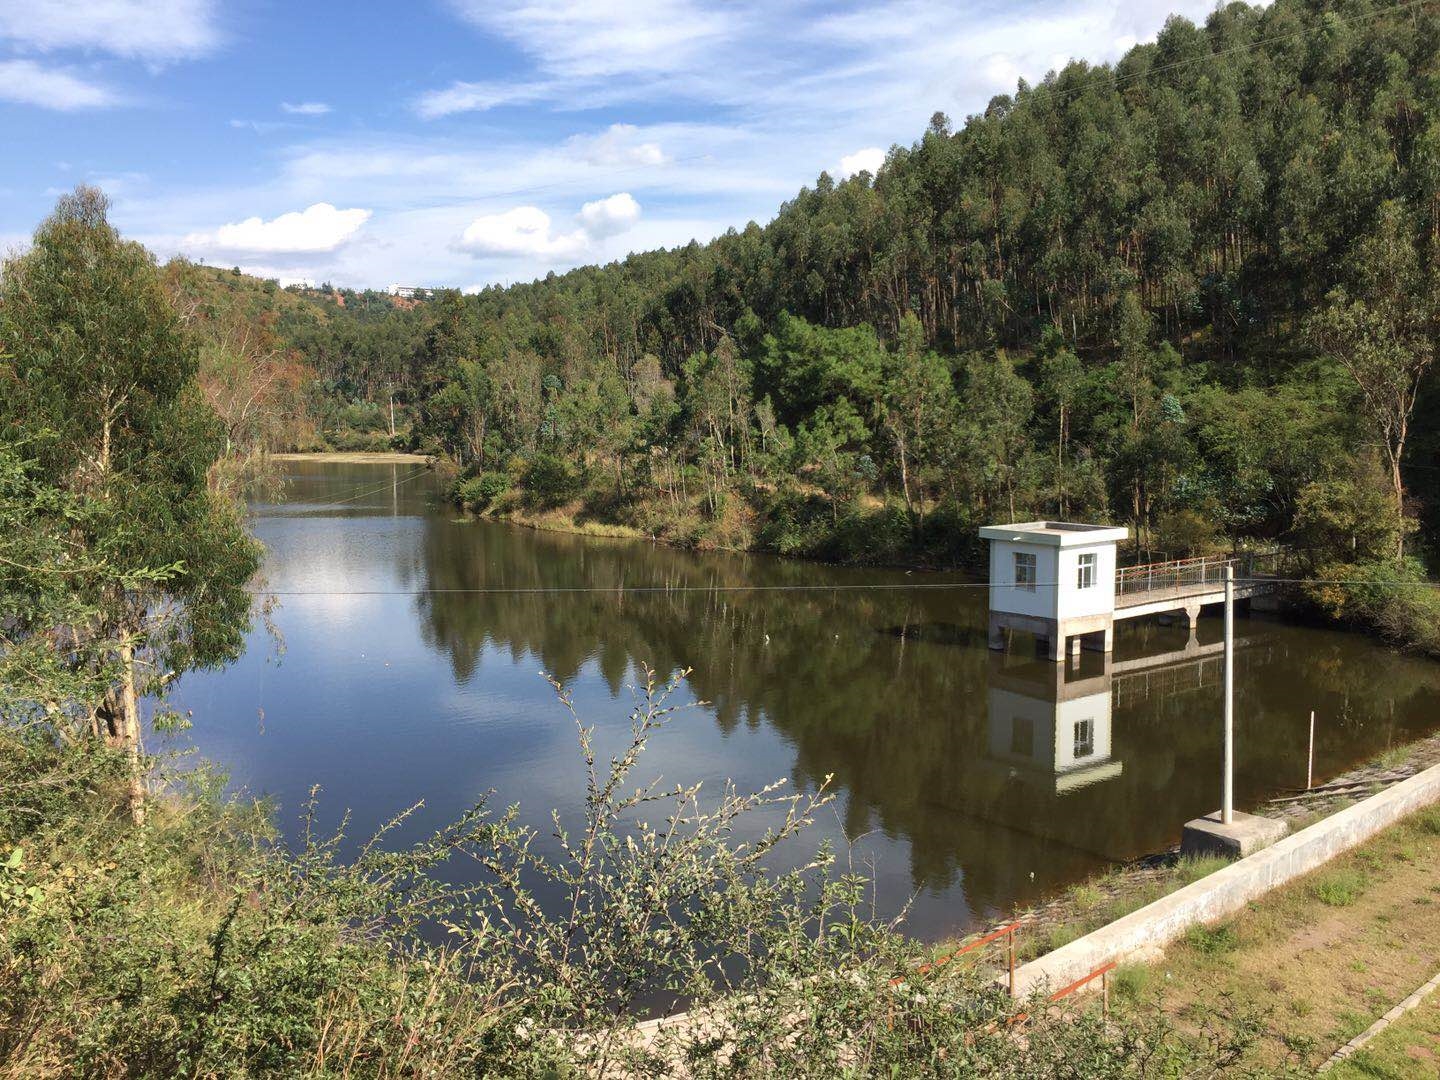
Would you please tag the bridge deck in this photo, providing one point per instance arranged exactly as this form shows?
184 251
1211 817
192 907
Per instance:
1155 587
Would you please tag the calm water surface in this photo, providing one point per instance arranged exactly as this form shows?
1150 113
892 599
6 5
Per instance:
965 781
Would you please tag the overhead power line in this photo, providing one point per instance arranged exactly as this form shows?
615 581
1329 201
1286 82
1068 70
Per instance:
622 590
387 486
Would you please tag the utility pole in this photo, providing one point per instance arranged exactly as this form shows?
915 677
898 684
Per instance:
1310 758
1233 835
1227 801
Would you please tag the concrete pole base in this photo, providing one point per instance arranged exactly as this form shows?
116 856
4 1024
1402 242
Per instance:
1245 835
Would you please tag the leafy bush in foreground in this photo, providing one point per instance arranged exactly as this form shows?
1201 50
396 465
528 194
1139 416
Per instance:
198 945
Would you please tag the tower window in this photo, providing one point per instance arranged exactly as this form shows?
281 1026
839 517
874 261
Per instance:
1025 570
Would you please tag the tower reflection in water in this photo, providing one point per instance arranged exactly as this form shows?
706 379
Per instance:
1051 727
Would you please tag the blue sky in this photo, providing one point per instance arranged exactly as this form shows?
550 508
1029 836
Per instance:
463 142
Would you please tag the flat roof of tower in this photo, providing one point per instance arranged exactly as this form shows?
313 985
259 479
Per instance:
1055 533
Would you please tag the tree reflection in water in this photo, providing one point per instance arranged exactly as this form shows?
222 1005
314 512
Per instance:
892 691
980 782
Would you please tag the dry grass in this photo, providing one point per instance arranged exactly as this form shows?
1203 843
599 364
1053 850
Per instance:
1099 901
564 520
1327 954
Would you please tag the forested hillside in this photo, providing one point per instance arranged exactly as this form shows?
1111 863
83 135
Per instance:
1194 292
296 368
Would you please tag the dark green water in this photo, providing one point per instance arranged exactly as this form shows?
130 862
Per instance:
969 783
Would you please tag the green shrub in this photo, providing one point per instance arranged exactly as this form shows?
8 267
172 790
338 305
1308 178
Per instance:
197 945
808 524
360 441
797 524
1186 532
1192 868
1428 821
1211 940
549 481
1391 597
362 416
1086 896
1340 888
1131 981
480 492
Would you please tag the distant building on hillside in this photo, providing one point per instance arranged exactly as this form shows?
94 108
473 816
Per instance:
410 292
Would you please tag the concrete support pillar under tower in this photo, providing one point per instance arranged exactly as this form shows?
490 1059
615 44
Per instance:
997 633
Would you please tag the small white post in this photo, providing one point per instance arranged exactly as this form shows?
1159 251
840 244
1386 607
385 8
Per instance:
1227 801
1310 760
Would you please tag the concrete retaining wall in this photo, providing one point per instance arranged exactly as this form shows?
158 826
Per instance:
1142 934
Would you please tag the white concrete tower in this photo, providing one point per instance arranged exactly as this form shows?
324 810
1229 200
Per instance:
1056 580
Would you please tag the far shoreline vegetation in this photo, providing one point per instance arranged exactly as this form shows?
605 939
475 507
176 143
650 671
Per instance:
1194 292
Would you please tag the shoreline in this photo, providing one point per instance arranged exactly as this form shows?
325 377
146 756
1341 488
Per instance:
562 520
1084 905
356 457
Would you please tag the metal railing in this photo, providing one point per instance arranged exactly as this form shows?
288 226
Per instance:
1102 973
1175 575
1007 933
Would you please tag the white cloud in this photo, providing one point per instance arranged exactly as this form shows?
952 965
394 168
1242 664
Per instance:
1001 69
154 30
589 38
121 184
871 72
523 231
758 96
305 108
604 218
260 127
719 161
526 231
460 97
316 229
619 144
290 273
282 277
868 160
27 83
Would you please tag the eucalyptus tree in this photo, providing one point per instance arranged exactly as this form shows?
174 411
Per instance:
101 391
1384 331
916 410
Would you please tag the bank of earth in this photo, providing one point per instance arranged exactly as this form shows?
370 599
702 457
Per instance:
367 457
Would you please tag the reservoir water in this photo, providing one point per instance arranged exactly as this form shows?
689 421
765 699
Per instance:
411 644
